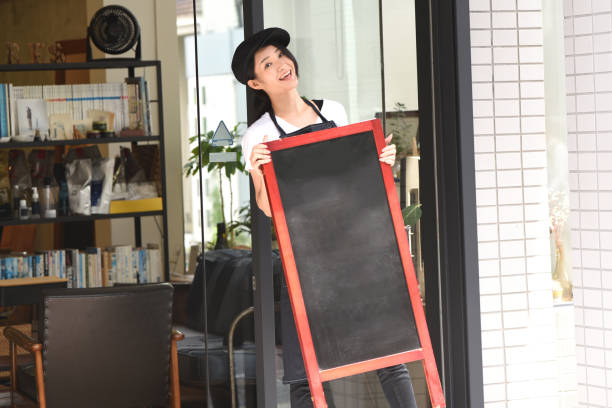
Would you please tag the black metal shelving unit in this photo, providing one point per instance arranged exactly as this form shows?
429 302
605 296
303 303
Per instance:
130 65
76 142
75 218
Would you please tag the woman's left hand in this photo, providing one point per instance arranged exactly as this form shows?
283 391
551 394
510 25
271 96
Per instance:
388 152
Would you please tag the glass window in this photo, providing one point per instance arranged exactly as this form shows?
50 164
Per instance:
215 97
219 32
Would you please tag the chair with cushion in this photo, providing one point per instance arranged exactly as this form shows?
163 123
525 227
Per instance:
229 288
102 347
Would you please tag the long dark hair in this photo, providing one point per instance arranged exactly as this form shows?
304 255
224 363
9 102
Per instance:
262 100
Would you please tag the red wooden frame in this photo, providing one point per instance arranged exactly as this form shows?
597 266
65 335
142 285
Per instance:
314 374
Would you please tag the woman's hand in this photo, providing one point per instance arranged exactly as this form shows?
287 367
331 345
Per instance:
260 155
388 152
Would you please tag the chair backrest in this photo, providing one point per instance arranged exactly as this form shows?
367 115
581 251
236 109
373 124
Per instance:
229 289
107 347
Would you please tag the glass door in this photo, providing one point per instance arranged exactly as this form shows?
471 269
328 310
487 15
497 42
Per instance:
353 52
216 203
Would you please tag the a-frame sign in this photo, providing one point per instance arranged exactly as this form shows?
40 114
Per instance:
346 256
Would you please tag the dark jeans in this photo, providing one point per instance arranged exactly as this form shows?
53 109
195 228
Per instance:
395 381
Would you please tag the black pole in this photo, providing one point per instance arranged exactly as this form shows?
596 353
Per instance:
162 155
449 197
263 295
203 256
382 66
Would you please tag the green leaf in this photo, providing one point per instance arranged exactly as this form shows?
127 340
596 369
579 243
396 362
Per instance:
411 214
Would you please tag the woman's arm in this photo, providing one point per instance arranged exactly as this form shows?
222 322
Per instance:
260 155
261 195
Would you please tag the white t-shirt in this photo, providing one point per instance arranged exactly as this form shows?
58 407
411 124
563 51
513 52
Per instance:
254 135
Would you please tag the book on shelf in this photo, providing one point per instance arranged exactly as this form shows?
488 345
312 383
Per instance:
139 115
124 106
5 126
92 267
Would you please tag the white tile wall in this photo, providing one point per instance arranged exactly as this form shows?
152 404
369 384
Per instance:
588 40
519 354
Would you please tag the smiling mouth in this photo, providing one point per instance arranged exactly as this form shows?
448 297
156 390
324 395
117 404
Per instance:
287 75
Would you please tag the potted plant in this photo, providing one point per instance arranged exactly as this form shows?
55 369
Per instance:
223 169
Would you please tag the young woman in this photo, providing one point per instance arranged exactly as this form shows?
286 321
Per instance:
264 63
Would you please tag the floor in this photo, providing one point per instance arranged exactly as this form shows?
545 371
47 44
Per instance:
5 400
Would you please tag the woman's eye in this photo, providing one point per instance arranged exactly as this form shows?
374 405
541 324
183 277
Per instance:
268 65
281 55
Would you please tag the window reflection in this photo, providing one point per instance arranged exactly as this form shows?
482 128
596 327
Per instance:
220 99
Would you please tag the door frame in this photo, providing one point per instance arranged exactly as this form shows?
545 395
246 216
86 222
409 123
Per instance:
448 195
448 187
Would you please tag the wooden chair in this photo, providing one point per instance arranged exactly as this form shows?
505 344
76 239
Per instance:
102 347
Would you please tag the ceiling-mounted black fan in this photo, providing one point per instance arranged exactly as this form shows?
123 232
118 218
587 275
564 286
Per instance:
114 30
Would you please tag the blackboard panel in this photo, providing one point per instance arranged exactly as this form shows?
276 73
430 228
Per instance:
345 250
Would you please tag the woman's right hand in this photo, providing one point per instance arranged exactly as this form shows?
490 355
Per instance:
260 155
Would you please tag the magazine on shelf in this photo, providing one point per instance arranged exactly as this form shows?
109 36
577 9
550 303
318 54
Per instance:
67 105
32 119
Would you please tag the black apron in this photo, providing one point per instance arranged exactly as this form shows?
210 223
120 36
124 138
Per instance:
293 363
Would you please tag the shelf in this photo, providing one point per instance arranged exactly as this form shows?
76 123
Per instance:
73 218
72 142
110 64
42 280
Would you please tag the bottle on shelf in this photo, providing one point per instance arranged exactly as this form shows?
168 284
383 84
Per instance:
48 200
24 211
59 172
16 195
35 203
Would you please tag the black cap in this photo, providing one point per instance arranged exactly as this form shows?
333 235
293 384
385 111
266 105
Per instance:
246 50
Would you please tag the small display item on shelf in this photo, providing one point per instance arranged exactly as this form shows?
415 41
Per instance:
59 171
5 185
99 125
143 205
48 200
93 134
24 212
35 203
12 52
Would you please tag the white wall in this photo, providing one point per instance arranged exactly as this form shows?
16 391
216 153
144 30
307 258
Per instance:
157 20
518 320
399 35
338 49
588 62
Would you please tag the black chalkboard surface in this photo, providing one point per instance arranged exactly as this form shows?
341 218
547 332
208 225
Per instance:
345 249
345 255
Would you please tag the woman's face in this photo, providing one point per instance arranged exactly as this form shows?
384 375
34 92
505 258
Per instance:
274 71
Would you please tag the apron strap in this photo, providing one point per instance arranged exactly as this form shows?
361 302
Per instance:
280 129
318 112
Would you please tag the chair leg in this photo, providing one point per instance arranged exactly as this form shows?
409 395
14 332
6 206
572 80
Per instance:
13 362
175 397
40 380
230 351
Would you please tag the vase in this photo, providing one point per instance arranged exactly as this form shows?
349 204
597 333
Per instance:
560 276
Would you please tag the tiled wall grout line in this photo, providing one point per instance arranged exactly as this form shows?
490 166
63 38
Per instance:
597 184
578 308
501 296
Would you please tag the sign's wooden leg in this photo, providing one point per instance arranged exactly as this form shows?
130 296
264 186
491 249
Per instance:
318 396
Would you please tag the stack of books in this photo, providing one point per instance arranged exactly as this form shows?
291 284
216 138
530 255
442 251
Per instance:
93 267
